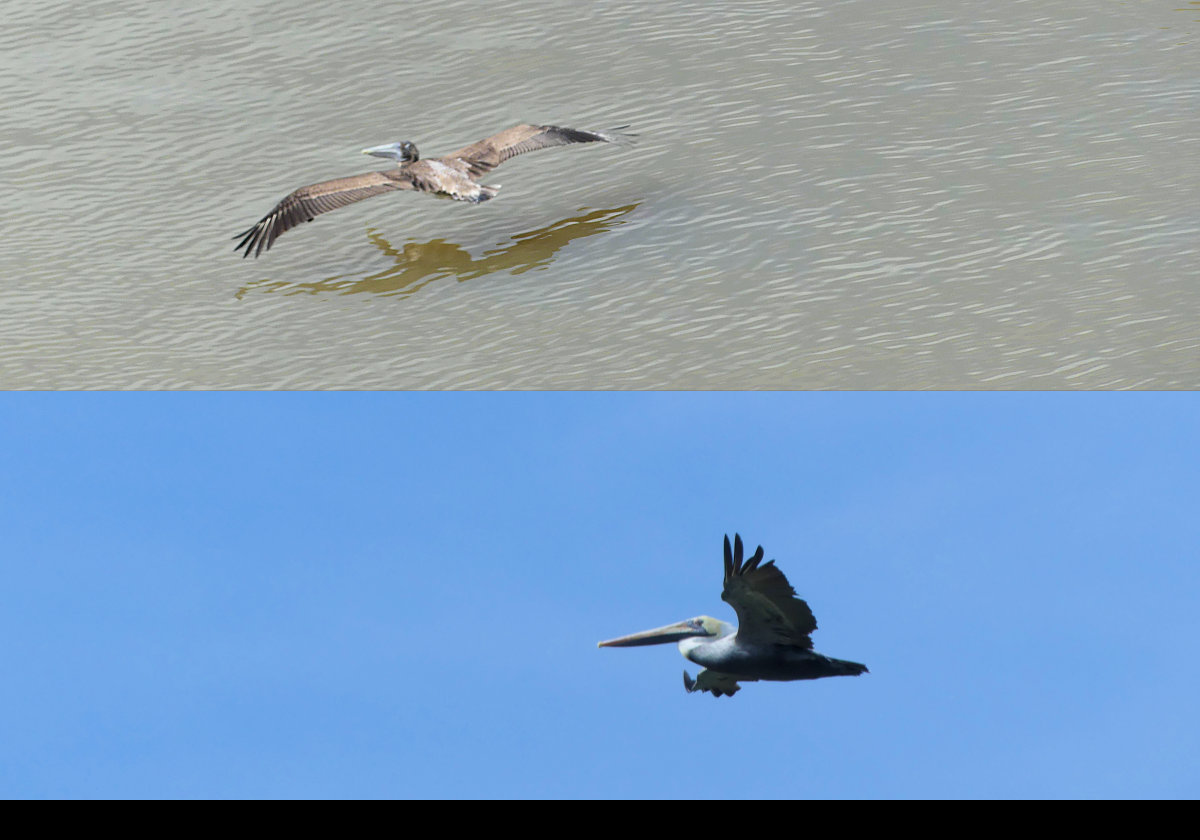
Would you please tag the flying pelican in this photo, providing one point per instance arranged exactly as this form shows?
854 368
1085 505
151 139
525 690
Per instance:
771 641
455 175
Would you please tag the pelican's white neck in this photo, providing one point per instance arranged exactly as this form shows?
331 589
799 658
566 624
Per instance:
719 630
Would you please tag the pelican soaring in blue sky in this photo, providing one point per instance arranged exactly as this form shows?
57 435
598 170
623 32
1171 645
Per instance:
771 642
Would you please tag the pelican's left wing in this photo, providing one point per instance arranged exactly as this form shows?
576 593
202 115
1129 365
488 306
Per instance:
767 608
306 203
486 155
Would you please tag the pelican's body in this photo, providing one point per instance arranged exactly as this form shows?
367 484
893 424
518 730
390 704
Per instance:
453 176
750 661
772 641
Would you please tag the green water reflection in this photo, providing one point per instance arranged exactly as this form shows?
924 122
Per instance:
417 264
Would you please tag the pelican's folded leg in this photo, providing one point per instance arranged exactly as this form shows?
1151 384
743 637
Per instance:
714 683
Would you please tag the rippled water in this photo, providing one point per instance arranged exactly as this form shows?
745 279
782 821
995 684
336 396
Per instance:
849 194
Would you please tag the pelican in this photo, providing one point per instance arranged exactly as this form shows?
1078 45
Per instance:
771 641
454 175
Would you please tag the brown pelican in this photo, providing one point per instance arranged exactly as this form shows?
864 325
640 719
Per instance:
455 175
771 641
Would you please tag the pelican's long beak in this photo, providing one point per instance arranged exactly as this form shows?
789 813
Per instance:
660 635
386 151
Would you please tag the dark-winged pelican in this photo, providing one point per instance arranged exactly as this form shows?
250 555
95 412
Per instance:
455 175
771 641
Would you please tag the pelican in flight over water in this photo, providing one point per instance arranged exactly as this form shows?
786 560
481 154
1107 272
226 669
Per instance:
771 641
455 176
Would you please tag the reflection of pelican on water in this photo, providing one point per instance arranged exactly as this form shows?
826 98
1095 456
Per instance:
454 176
420 263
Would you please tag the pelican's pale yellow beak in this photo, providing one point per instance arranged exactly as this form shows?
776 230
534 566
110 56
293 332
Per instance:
661 635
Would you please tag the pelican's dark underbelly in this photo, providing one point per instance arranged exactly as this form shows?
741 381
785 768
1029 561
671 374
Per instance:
772 662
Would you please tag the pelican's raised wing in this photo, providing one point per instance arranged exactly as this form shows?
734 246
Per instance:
767 608
307 203
486 155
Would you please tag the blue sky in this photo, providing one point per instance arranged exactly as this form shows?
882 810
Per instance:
395 595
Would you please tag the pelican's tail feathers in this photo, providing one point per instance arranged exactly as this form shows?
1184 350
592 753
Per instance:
845 668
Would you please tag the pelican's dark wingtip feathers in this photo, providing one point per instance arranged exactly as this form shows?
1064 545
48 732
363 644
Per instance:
753 562
251 238
619 136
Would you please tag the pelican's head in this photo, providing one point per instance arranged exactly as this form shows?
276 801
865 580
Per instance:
703 626
405 152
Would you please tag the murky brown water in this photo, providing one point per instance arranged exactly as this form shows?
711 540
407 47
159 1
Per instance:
849 194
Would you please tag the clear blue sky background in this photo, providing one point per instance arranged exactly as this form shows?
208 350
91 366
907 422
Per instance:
400 595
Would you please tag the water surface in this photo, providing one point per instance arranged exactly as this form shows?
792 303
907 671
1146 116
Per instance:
823 195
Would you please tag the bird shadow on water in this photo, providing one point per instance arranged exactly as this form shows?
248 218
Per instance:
417 264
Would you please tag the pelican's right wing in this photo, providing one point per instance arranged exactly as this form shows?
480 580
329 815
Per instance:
766 605
307 203
487 154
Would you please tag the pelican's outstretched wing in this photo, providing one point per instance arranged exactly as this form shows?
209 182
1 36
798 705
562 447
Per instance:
766 605
307 203
717 684
486 155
